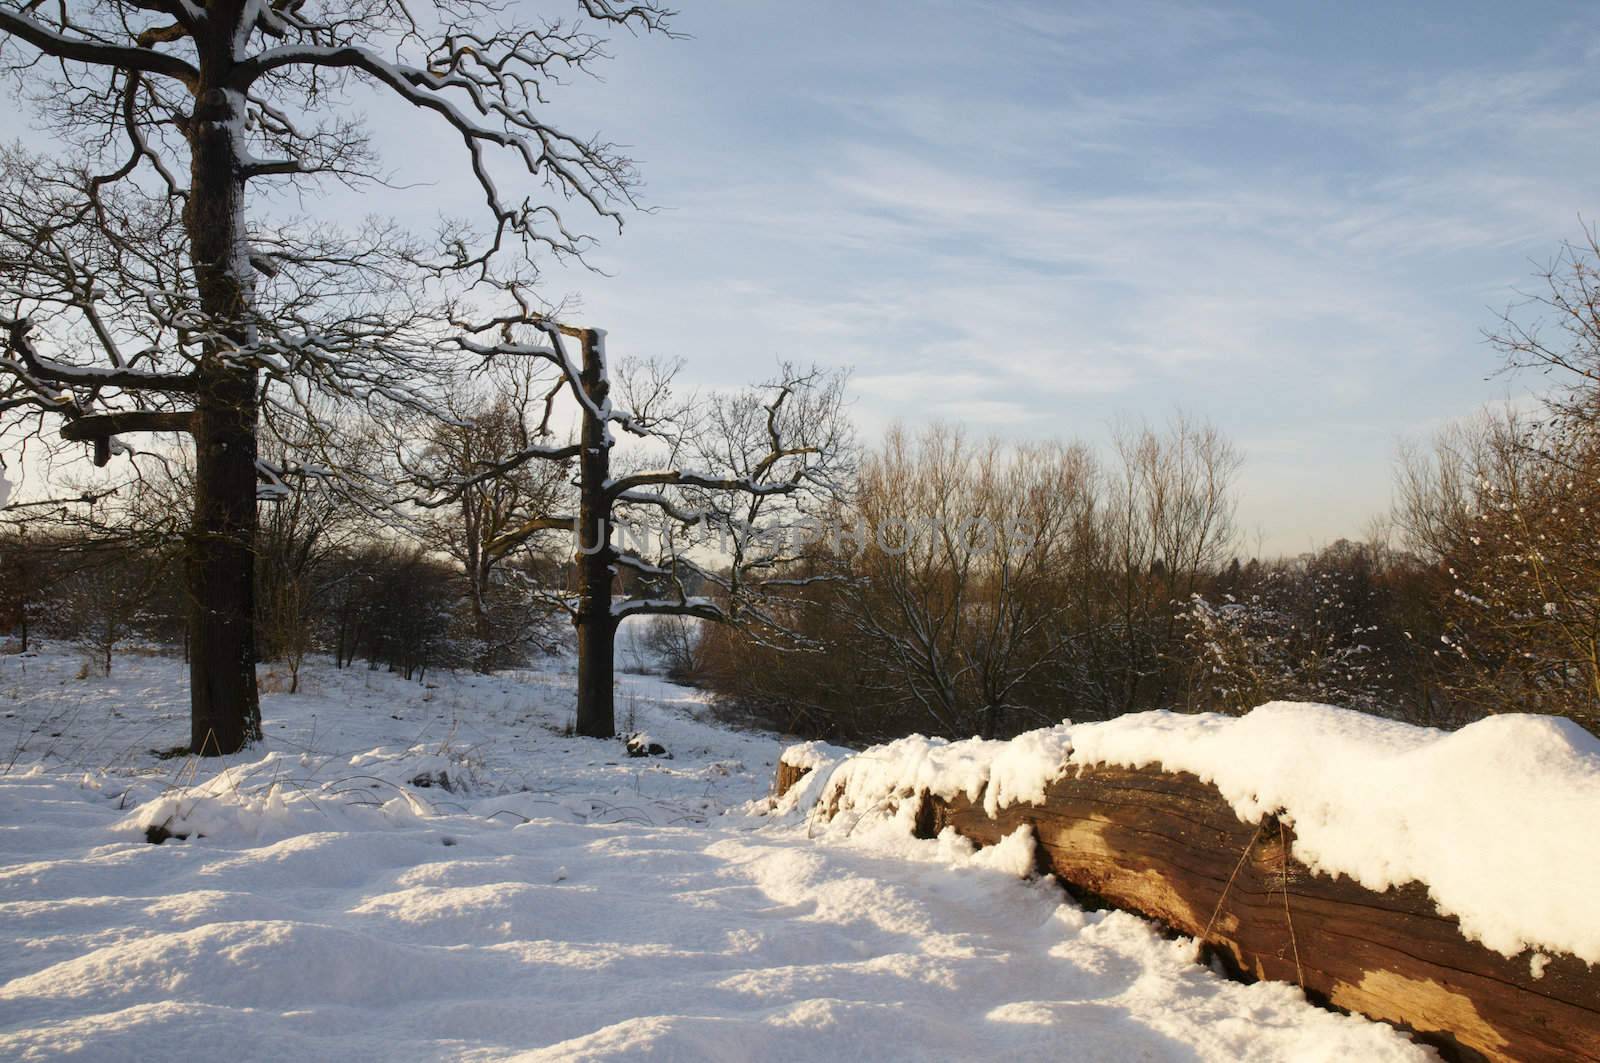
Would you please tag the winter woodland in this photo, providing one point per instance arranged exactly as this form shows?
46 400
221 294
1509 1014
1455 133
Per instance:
447 644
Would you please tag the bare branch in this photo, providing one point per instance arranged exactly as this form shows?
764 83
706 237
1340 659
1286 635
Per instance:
80 50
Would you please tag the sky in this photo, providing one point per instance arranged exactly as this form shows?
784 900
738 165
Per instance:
1038 219
1293 219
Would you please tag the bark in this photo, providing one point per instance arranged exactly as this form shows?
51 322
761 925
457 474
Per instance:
595 557
225 711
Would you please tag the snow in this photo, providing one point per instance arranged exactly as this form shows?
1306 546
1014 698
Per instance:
1485 817
810 755
542 897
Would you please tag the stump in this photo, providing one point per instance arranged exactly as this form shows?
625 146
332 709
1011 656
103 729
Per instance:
788 775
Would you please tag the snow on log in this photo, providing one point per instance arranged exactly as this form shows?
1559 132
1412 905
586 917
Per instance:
1364 860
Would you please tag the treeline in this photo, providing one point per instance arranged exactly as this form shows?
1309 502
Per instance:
1042 584
334 572
952 586
1124 595
1116 586
362 575
379 604
332 575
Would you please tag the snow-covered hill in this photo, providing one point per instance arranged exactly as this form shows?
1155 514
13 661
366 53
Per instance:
541 896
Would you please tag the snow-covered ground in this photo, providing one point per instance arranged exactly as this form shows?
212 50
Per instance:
556 900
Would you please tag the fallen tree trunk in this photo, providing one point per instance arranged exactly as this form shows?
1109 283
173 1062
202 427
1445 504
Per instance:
1169 847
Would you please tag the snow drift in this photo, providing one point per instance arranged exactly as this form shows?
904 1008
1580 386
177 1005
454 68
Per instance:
559 900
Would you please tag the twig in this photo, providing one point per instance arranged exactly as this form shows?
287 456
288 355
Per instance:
1299 973
1206 933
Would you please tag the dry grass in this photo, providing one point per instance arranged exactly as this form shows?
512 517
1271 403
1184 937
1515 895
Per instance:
273 681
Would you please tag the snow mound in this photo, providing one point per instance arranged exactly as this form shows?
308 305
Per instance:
809 755
284 794
1484 817
817 759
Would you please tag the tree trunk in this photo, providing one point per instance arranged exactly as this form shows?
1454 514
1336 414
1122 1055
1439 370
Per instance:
596 649
225 710
596 627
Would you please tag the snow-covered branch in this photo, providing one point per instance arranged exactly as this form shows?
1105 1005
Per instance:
62 374
67 41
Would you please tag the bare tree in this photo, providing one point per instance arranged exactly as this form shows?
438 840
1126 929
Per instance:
977 588
25 580
1504 508
675 641
485 425
103 597
1504 505
306 519
802 437
1561 340
146 294
957 583
1166 522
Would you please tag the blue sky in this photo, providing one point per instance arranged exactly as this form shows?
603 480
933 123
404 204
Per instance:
1294 219
1035 218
